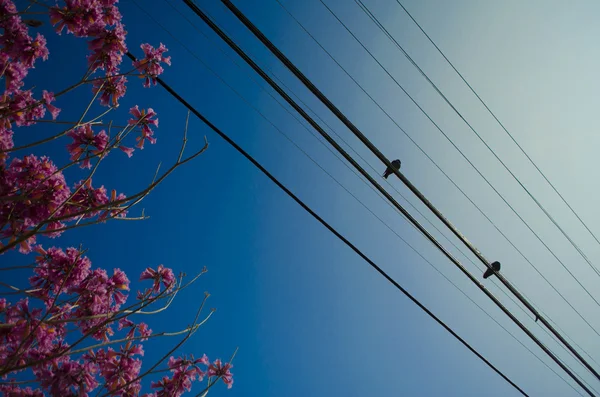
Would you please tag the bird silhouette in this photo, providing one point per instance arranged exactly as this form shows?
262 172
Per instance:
495 268
389 171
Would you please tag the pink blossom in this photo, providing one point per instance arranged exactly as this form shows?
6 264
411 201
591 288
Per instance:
144 120
6 143
48 99
14 72
127 150
33 50
119 368
160 274
142 328
112 89
86 144
16 391
80 17
68 378
20 108
99 294
222 371
41 191
108 48
111 14
184 373
150 66
56 268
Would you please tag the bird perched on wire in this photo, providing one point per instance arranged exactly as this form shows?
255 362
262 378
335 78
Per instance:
489 272
389 171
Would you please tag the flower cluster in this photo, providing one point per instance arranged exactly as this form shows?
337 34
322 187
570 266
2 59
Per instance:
185 371
143 119
86 144
150 67
35 338
160 275
18 54
35 196
68 302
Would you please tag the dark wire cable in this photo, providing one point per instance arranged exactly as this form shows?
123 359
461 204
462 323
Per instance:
240 52
396 171
499 122
348 191
454 245
352 194
581 253
330 228
422 151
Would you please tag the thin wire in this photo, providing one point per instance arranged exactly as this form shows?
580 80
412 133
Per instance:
327 147
291 67
425 153
331 228
467 257
499 122
381 27
349 192
288 111
572 355
281 92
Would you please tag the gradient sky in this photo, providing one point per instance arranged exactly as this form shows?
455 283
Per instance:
309 316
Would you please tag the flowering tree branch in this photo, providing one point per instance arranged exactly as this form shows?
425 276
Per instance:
71 328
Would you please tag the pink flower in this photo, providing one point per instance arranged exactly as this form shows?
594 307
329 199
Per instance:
33 50
56 268
204 360
48 99
112 89
184 373
142 328
144 120
20 108
160 274
222 371
14 73
80 17
33 190
16 391
108 48
86 144
150 66
119 368
87 198
111 14
127 150
6 143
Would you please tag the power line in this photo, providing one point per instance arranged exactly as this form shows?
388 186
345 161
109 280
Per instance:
423 151
242 54
581 253
346 189
499 122
396 171
331 228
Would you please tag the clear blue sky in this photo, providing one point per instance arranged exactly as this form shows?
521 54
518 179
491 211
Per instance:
309 316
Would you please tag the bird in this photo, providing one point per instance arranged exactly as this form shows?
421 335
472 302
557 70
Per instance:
495 267
389 171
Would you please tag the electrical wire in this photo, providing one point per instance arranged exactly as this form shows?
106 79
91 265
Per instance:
582 254
330 228
240 52
423 151
499 122
258 34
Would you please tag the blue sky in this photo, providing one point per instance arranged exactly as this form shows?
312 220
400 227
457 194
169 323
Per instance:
309 316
